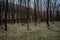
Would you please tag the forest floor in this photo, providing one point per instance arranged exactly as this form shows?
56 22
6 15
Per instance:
40 32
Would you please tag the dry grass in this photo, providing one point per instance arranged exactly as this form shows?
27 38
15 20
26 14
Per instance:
19 32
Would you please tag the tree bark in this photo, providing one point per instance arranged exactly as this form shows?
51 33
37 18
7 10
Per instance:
47 13
35 18
6 15
28 15
0 16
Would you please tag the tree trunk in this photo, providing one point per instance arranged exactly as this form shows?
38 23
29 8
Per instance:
47 14
28 15
0 17
6 15
35 18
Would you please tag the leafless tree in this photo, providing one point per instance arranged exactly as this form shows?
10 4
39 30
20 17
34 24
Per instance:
41 10
13 16
0 16
47 21
28 15
54 11
6 15
35 14
38 14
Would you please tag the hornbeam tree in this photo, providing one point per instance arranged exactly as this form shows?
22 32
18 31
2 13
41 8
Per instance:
21 13
37 10
25 11
50 11
41 10
10 11
18 13
58 13
28 15
0 16
21 16
54 11
13 13
6 15
47 21
35 18
20 9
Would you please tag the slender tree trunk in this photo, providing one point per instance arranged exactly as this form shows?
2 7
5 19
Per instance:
28 14
13 17
20 9
47 14
35 13
53 17
17 18
13 12
0 17
6 15
41 10
21 16
54 11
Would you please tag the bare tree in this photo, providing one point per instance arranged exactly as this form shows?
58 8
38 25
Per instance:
20 2
0 16
10 11
6 15
41 10
13 15
35 18
47 13
50 11
54 11
28 15
58 12
37 10
21 16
